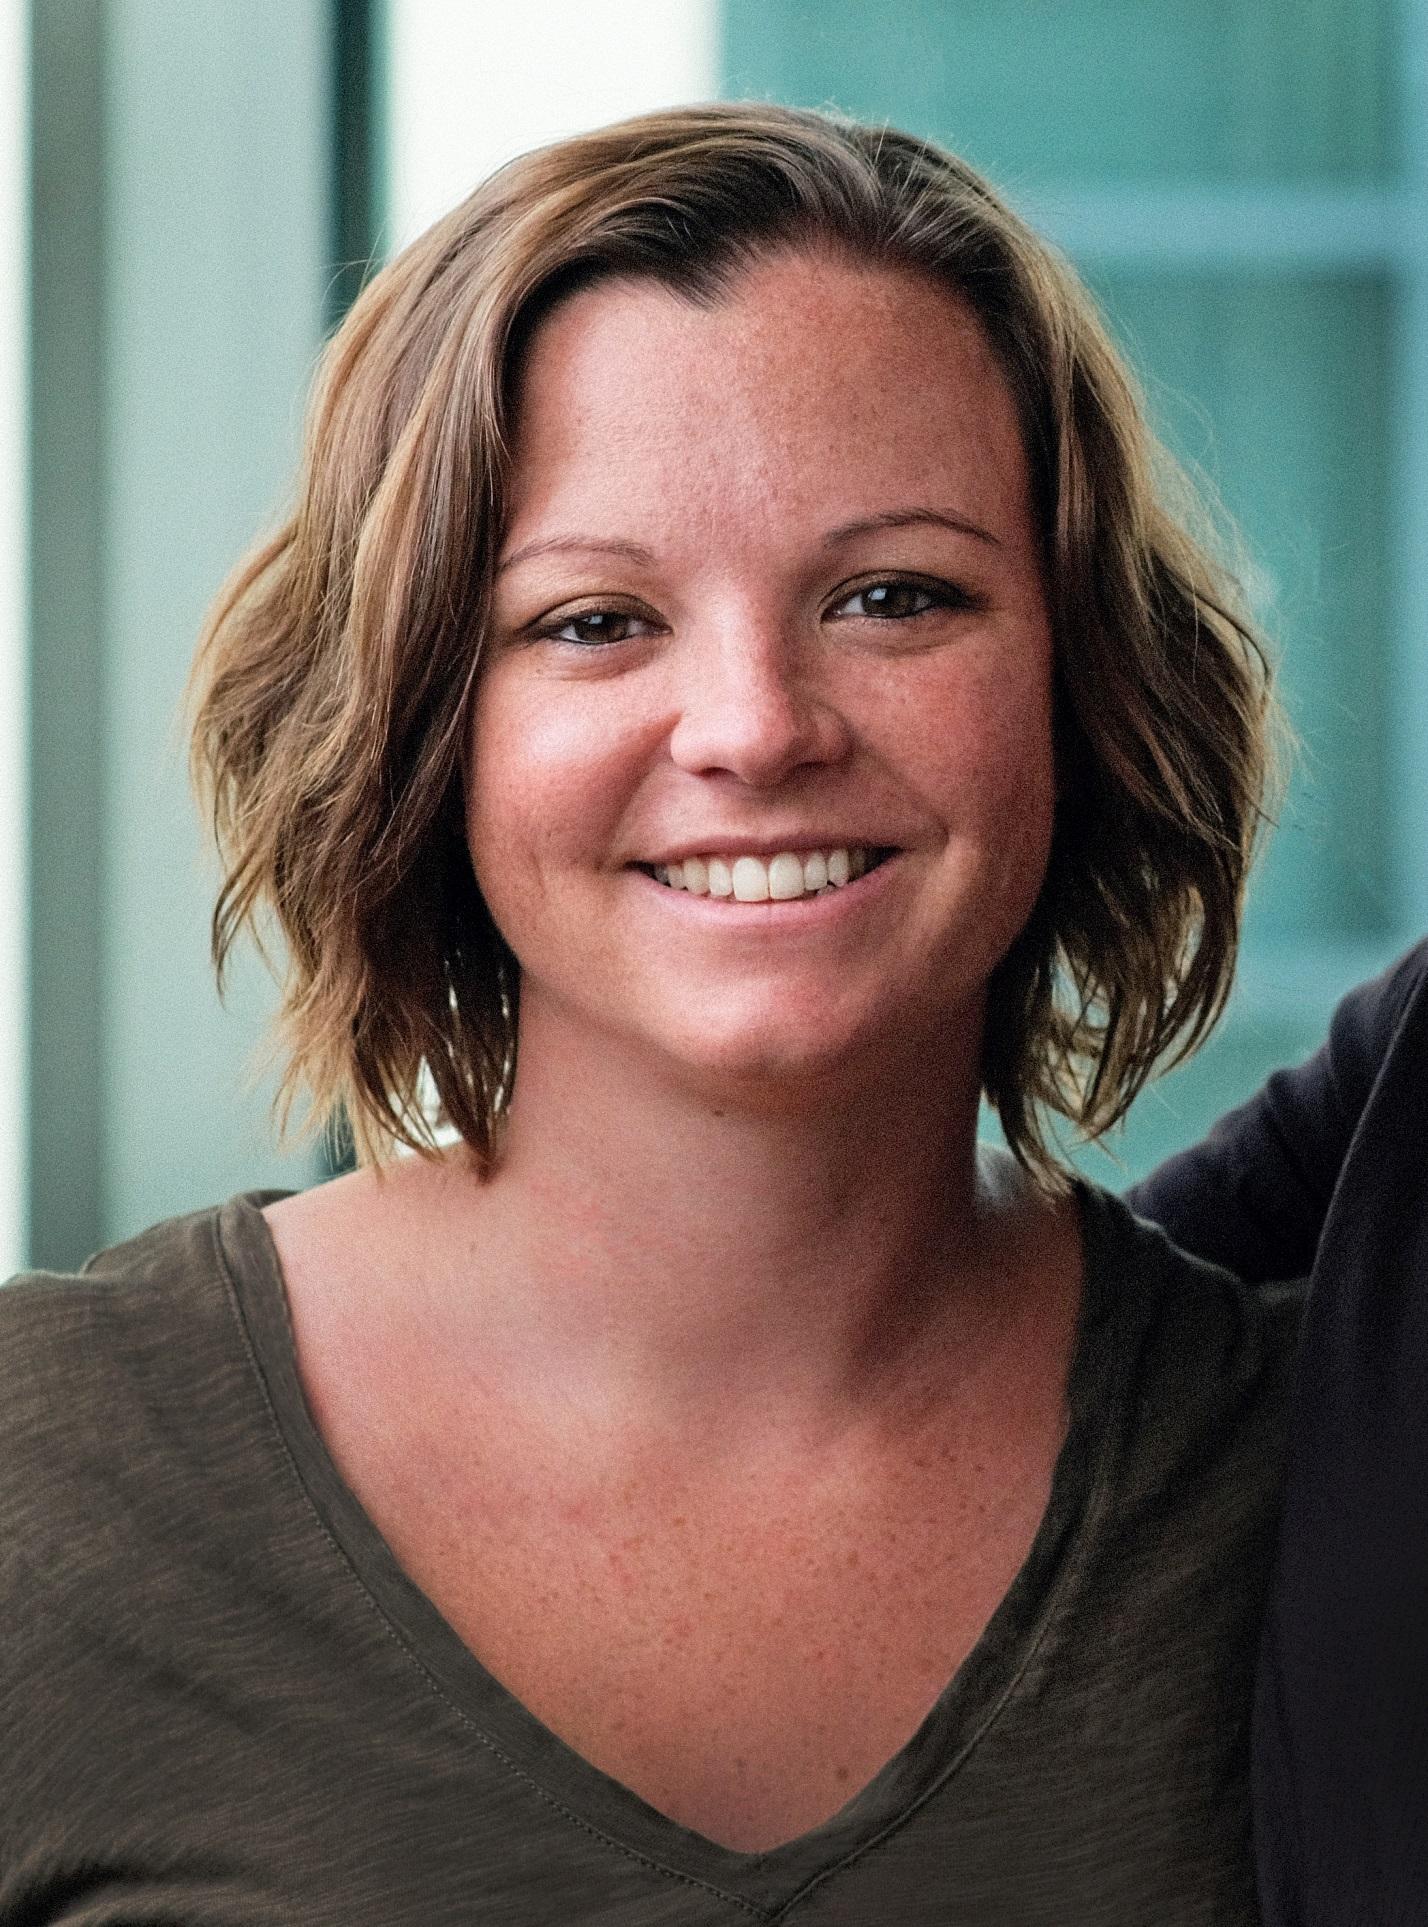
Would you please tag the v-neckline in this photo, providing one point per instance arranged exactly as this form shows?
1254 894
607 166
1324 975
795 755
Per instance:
961 1717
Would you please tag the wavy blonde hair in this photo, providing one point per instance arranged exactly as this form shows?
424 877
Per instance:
333 680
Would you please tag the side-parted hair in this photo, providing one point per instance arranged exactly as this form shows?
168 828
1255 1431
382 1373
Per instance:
333 682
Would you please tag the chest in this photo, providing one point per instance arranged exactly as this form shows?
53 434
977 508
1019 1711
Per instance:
744 1658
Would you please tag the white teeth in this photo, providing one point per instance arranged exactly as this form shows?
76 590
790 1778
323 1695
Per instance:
753 879
786 877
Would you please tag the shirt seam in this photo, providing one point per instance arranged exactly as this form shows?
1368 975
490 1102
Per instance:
394 1633
1097 1500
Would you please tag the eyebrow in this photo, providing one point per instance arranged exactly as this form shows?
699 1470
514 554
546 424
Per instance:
577 544
835 538
907 518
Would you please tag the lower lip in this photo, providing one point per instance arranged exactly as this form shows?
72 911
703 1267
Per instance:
793 913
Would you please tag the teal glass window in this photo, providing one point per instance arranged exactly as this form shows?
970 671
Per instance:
1244 184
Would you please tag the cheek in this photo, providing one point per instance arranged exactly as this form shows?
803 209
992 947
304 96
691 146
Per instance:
984 739
544 790
991 781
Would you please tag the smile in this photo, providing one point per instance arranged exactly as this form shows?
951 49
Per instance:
782 878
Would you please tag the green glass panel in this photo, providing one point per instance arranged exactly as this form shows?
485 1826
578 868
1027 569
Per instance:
1276 388
1177 1109
1183 91
1173 1113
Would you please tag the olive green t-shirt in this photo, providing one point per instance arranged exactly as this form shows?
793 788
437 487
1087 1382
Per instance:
222 1702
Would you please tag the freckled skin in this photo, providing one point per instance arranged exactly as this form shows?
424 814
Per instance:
726 442
720 1418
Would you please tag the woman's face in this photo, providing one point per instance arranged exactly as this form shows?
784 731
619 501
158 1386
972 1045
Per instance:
771 591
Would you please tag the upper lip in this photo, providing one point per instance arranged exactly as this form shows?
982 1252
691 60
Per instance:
764 846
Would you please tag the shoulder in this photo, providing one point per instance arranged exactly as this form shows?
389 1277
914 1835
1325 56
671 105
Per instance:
1195 1377
1255 1192
1204 1340
341 1245
108 1376
124 1305
145 1502
1383 1003
1134 1255
1376 1024
392 1205
65 1329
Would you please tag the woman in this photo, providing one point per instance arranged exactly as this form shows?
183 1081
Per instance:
728 697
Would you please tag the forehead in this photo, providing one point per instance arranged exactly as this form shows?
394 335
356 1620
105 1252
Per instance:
809 378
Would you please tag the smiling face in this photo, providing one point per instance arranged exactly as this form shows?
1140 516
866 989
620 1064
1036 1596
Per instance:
770 590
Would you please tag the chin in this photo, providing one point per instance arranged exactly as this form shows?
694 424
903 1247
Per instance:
770 1062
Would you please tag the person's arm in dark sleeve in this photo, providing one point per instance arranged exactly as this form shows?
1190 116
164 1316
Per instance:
1252 1195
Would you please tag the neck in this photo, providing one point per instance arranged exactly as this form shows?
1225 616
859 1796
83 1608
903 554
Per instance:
741 1269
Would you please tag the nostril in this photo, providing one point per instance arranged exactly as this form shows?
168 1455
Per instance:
758 734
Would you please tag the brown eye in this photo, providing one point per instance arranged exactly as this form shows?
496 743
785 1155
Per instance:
591 627
898 601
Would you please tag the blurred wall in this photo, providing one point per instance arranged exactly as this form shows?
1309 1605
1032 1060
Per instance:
182 195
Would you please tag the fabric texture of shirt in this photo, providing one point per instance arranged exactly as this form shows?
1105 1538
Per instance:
224 1703
1326 1172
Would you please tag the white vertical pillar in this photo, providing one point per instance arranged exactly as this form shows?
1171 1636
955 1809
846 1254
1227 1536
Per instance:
14 652
469 87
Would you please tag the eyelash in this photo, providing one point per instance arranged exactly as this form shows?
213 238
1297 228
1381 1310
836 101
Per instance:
942 595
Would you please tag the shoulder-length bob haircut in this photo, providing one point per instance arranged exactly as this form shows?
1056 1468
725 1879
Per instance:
334 678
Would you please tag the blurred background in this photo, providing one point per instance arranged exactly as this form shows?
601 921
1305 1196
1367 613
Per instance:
190 194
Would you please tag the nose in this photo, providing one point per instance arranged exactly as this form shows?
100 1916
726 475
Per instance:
754 704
